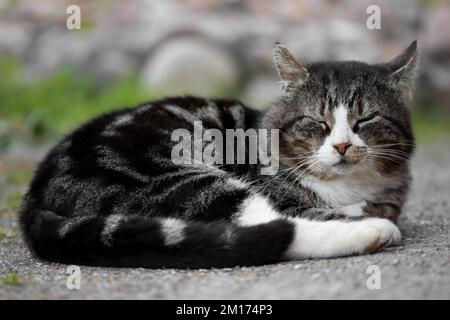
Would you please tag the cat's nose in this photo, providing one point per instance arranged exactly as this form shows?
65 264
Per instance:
342 147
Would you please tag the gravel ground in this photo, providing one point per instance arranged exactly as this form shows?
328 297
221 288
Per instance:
417 269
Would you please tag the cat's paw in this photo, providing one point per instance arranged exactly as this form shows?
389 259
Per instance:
373 234
339 238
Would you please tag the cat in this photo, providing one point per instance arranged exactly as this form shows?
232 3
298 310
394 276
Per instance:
109 193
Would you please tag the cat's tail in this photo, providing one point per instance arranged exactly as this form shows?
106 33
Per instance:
135 241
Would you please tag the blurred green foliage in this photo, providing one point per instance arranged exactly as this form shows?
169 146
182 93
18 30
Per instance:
11 279
44 110
430 126
50 107
13 201
12 187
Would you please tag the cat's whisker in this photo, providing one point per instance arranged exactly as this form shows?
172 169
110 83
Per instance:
293 171
389 156
392 158
300 175
394 144
377 164
387 150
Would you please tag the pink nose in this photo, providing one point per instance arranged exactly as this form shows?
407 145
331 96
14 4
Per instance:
342 147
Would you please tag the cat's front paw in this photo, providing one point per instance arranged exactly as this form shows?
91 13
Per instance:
373 234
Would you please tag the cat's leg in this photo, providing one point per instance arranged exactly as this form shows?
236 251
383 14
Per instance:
324 213
323 238
383 210
388 211
361 209
334 238
387 205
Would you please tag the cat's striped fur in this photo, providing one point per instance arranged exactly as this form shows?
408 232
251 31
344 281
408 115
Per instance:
110 195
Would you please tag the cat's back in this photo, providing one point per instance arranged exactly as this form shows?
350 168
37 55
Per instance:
149 125
124 149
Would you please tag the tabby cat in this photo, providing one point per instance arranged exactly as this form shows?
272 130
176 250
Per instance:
109 193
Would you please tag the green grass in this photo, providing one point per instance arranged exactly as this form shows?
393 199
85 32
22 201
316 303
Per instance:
19 177
430 127
13 201
13 181
12 185
11 279
4 232
7 232
56 104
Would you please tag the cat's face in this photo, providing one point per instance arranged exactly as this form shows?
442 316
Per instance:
338 118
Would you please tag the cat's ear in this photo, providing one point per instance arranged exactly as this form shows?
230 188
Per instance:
403 69
288 67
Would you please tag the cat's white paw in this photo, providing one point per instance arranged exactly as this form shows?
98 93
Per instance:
337 238
373 234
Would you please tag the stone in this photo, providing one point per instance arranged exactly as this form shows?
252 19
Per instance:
14 38
55 48
113 63
190 65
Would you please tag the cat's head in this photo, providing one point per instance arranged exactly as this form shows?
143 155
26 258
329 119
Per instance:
336 118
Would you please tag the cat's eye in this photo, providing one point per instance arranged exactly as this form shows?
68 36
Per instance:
358 123
323 125
310 126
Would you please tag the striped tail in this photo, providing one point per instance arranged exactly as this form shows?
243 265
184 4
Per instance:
136 241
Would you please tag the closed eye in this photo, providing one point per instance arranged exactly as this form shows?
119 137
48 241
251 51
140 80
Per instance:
298 120
322 123
361 121
324 126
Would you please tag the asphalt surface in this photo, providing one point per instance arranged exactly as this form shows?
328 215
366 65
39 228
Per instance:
417 269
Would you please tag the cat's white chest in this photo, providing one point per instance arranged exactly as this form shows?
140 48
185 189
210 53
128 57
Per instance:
348 190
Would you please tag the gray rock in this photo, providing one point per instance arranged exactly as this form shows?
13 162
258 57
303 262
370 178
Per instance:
190 65
58 47
113 63
334 39
14 38
435 36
